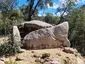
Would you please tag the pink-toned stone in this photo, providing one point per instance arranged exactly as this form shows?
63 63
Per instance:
53 37
1 62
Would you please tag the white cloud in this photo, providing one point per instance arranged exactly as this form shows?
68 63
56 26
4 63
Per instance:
55 6
58 14
54 14
65 13
41 13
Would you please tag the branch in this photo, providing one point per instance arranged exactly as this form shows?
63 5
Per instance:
35 7
31 6
64 11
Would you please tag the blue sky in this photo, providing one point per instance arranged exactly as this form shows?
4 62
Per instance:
56 4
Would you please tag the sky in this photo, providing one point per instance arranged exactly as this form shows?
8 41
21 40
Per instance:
56 4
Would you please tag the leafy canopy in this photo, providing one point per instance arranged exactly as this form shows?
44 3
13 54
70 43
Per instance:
35 6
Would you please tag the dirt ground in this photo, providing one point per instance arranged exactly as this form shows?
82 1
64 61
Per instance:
32 56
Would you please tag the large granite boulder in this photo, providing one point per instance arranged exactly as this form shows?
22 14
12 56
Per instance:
36 23
56 36
1 62
29 26
16 35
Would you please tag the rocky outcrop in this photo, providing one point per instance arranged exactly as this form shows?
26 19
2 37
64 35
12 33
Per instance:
1 62
56 36
16 36
36 23
29 26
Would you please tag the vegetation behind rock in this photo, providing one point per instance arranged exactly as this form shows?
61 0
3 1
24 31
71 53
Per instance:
8 49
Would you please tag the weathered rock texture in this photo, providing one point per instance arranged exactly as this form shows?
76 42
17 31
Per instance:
53 37
29 26
1 62
16 35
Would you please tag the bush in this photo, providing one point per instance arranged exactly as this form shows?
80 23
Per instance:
76 20
8 49
50 18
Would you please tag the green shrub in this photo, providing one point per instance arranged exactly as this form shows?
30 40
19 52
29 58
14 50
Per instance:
8 49
76 20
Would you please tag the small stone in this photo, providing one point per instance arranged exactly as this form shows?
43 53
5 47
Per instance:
18 59
47 59
45 55
37 60
58 54
69 50
36 56
32 51
47 63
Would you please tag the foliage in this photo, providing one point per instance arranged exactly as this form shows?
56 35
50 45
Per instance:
6 8
8 4
10 18
10 62
76 20
8 49
65 7
41 18
1 21
35 5
49 18
25 9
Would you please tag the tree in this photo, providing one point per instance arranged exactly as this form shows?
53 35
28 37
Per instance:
10 17
25 10
66 7
15 17
36 5
49 18
76 20
7 6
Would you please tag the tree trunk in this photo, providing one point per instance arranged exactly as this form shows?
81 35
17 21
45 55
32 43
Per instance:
62 16
29 18
32 11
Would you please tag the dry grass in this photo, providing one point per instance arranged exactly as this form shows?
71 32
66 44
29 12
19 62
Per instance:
29 56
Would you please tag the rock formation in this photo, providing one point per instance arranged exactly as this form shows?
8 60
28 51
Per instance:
29 26
16 36
53 37
1 62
